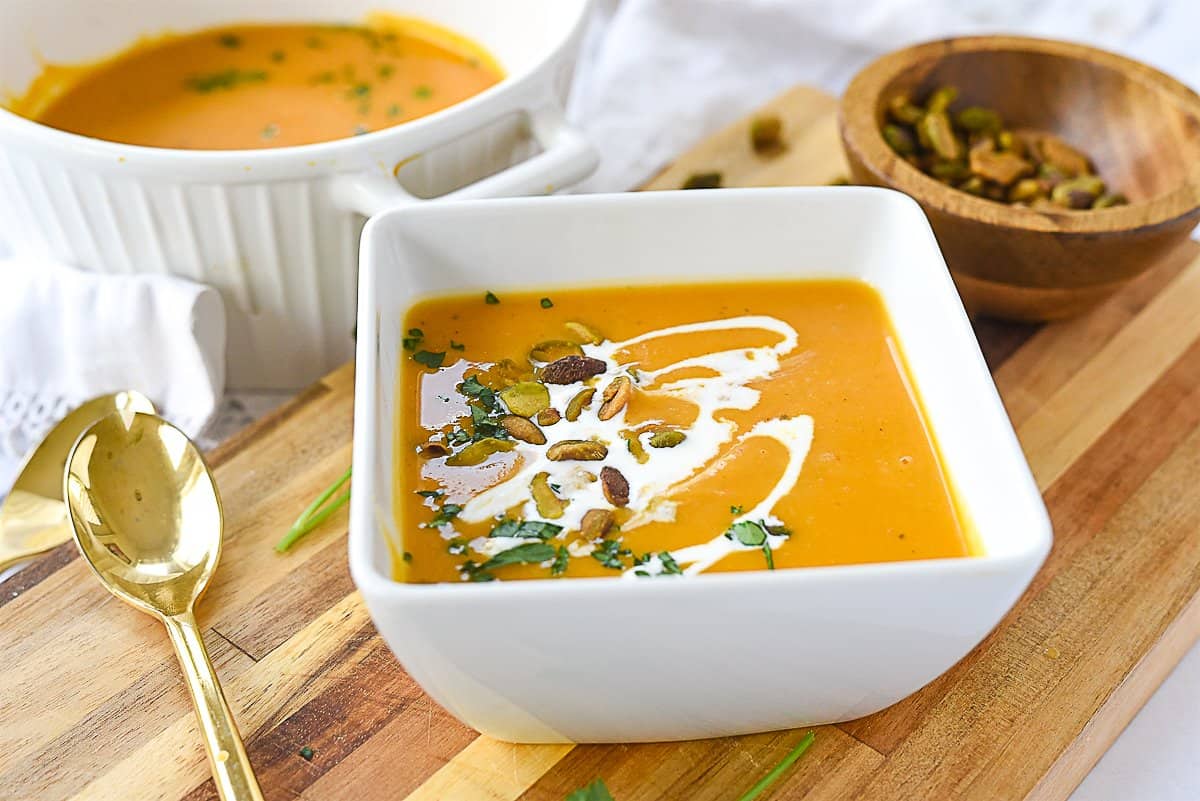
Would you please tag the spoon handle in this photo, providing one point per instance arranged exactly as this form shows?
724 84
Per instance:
231 769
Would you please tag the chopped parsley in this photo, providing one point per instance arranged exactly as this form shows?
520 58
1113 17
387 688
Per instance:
415 337
423 92
393 110
490 298
430 493
456 546
754 535
457 345
278 56
526 529
546 303
230 40
561 557
386 70
529 553
669 566
448 512
610 554
226 79
431 359
735 510
407 557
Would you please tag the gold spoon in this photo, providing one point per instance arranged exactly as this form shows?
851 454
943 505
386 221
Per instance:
147 518
33 518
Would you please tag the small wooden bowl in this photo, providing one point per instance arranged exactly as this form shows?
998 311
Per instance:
1140 127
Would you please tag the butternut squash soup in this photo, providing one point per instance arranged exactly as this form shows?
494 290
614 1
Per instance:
262 86
651 431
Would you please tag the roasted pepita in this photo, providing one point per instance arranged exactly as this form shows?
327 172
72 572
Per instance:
616 396
548 417
584 333
522 428
666 439
571 369
595 523
526 398
577 450
581 401
549 505
478 452
615 486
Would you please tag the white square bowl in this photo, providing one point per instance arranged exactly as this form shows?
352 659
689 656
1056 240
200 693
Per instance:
600 660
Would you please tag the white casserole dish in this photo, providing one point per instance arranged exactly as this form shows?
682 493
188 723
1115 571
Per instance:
598 660
276 231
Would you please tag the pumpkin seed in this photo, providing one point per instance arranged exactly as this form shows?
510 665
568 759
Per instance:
548 417
666 439
1059 154
935 129
634 445
549 505
523 429
766 134
577 450
553 350
433 450
616 396
584 333
941 99
571 369
1078 193
978 118
595 523
581 401
1107 201
526 398
615 486
478 452
1002 167
899 139
903 110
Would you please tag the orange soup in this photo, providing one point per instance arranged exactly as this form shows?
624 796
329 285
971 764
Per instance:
262 86
655 431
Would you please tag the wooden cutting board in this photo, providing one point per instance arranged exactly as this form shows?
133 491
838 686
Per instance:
1107 408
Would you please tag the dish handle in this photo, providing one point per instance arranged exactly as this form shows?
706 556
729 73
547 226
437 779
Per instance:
566 158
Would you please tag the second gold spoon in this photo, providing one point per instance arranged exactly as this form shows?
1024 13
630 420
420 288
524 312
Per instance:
147 518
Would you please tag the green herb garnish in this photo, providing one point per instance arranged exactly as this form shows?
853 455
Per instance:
430 493
526 554
773 776
230 40
735 510
610 554
747 533
431 359
456 546
406 556
457 345
525 529
359 90
278 56
393 110
316 513
423 92
386 70
490 298
226 79
447 513
415 337
561 557
546 303
596 791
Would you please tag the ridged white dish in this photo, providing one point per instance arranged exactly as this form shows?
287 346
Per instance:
276 231
602 660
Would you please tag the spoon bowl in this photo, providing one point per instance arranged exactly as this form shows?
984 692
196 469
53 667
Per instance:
33 518
147 518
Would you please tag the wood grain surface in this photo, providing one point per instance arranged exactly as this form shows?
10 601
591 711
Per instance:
1107 407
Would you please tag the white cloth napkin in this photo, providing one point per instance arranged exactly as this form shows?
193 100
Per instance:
67 336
